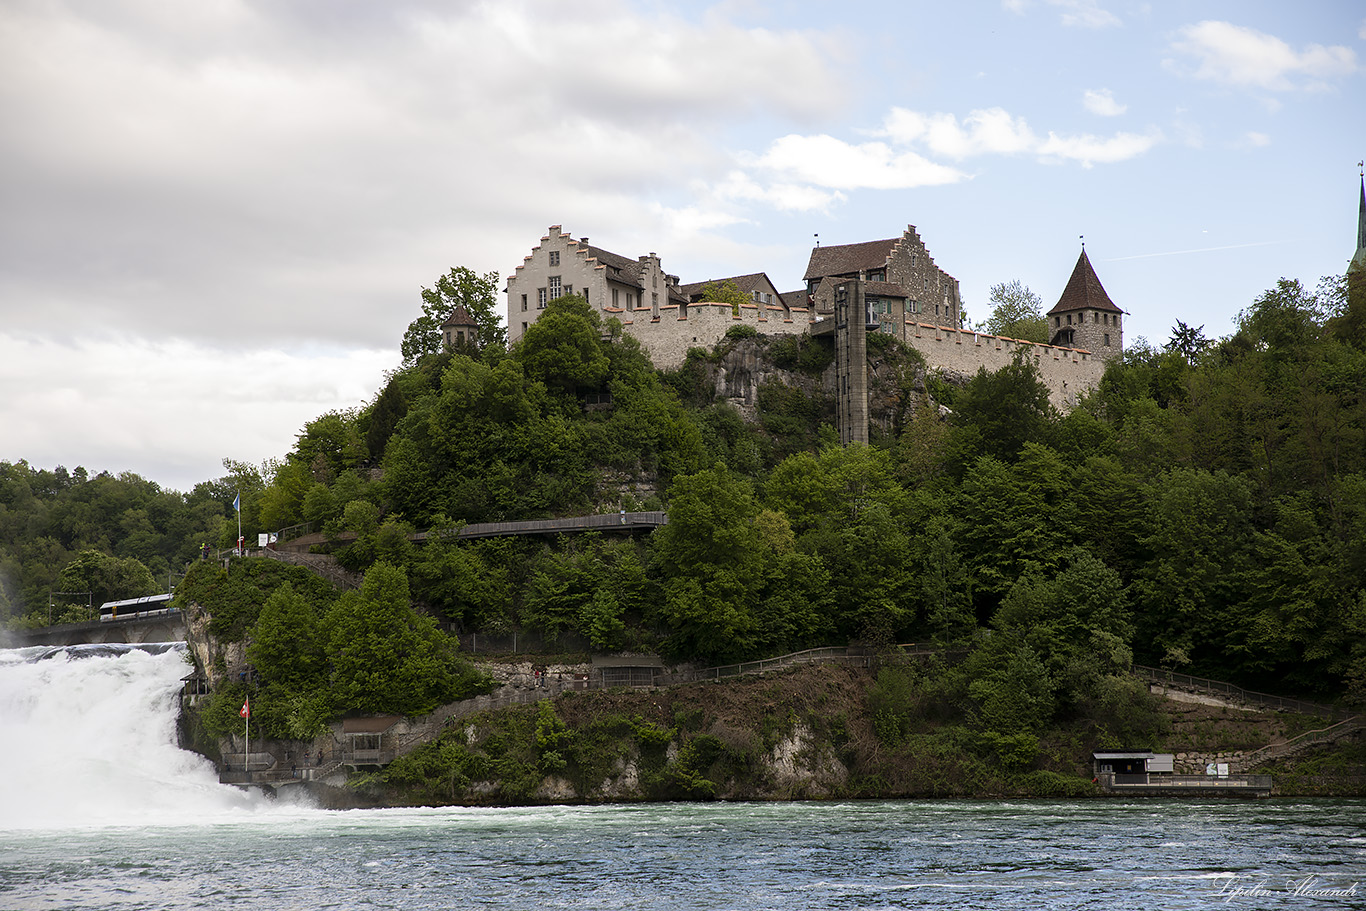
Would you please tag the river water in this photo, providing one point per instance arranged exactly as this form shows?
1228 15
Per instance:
114 816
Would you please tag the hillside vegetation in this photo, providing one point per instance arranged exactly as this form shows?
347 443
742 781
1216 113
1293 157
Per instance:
1204 509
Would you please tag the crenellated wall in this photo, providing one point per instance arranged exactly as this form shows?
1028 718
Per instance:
1068 372
702 325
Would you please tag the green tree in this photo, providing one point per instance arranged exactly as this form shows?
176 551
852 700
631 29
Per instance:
107 578
460 287
726 292
1188 342
1016 312
285 645
386 658
1006 409
564 347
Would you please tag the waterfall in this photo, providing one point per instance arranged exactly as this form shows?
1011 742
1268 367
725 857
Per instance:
90 740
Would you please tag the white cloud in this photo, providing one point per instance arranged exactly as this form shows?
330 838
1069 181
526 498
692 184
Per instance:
797 172
829 162
1102 102
990 131
256 157
194 405
1090 150
1254 140
1234 55
1075 13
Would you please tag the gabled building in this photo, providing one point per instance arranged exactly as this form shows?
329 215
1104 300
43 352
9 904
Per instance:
629 289
901 282
1084 316
755 286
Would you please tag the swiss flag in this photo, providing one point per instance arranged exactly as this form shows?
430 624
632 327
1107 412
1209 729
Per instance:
246 709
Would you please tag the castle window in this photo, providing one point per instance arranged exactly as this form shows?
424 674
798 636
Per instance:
615 293
1095 317
877 275
1057 321
523 303
1107 340
555 288
540 298
554 257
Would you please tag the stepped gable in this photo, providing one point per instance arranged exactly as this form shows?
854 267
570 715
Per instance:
1084 291
849 258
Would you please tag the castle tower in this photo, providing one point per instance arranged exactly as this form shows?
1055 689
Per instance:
1085 317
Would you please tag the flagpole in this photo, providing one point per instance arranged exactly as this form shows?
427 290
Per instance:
246 754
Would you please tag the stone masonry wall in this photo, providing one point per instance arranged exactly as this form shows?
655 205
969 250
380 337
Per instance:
669 338
1068 372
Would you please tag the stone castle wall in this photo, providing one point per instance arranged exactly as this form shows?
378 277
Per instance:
1068 372
704 324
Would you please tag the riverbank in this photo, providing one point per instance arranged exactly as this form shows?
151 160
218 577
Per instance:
817 732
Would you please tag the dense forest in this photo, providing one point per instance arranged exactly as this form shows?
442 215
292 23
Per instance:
1204 509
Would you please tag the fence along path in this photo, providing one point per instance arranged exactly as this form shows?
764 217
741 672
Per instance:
428 728
1219 688
1301 742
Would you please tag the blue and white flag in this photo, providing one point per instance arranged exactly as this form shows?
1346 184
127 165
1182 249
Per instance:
237 502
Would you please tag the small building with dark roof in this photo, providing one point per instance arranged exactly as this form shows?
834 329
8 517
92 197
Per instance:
459 329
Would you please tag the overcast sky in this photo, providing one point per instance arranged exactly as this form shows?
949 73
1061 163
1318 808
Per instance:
216 217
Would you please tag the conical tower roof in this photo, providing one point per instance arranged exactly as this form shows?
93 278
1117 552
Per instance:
1084 291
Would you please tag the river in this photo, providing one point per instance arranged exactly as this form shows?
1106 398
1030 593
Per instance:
98 809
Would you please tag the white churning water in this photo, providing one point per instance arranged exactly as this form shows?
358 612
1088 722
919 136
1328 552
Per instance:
90 740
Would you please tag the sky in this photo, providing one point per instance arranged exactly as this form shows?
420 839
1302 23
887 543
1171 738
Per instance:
216 218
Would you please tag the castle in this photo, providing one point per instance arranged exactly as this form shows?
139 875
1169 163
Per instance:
894 283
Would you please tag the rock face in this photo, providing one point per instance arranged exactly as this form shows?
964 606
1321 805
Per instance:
220 661
896 380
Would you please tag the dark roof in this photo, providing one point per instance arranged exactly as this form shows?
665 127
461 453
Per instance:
848 258
1084 291
798 298
376 725
460 317
621 268
884 289
755 281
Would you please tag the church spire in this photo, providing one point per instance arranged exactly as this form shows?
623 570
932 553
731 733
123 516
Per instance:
1359 258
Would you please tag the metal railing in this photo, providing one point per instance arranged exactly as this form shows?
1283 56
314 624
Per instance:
1302 741
1218 687
856 657
1183 782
